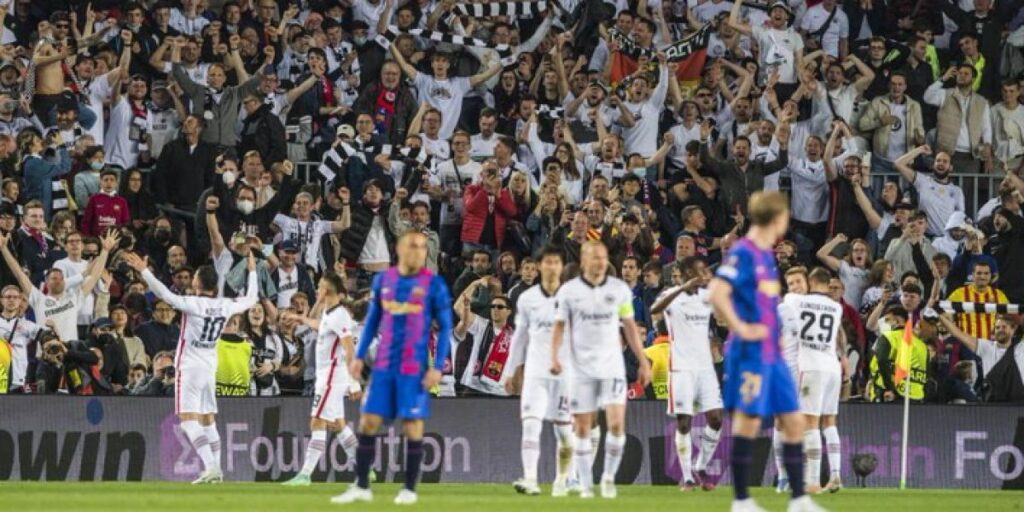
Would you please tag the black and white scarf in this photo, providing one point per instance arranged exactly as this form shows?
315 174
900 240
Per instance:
979 307
505 52
513 9
334 160
418 155
551 112
674 52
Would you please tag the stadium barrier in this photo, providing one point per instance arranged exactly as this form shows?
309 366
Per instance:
470 440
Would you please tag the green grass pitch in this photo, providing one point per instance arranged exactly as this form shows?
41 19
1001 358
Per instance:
251 497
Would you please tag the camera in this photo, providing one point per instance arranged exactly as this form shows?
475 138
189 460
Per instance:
53 349
169 372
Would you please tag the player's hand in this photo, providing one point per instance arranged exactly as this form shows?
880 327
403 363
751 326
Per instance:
556 367
751 332
644 374
355 395
134 261
355 369
432 378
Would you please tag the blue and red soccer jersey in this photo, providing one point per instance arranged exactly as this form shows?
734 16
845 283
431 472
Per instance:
401 311
757 380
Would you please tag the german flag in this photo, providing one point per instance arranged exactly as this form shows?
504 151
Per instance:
690 52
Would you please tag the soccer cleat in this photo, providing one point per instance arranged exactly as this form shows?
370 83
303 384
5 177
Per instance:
834 484
299 480
352 495
803 504
527 487
406 497
573 484
586 493
813 489
705 481
210 476
688 486
747 505
608 490
783 485
559 489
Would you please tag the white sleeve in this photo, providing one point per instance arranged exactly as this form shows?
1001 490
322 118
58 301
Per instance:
562 305
520 336
176 301
280 220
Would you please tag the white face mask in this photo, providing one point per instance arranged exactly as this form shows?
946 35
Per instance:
246 206
229 178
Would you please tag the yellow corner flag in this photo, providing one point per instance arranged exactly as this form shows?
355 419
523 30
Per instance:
903 352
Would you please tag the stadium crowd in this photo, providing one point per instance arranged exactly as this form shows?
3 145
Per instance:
313 133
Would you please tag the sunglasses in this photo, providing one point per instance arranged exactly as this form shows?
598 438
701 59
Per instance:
499 306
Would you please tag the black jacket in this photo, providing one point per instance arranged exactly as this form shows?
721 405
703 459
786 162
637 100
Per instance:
1008 250
263 132
305 284
157 337
258 222
405 110
182 175
353 238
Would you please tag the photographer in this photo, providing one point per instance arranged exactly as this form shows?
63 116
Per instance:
115 356
161 381
70 367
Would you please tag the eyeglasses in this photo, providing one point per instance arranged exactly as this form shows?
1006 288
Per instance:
499 306
163 310
597 212
61 25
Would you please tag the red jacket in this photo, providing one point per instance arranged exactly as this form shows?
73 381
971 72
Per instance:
103 212
475 201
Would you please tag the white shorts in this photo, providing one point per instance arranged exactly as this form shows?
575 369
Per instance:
329 396
547 399
686 387
195 391
819 393
588 395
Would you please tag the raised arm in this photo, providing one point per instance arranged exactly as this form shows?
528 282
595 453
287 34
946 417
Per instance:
23 281
213 226
407 68
866 74
824 254
902 164
872 216
734 19
829 158
109 243
155 285
967 339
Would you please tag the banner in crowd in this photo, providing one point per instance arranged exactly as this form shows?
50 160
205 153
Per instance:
264 440
690 52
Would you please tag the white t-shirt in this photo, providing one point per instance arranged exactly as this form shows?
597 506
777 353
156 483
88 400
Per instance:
591 315
706 11
63 310
451 179
76 270
839 27
990 353
444 95
122 150
898 135
535 320
478 329
778 48
481 147
187 26
306 235
688 318
842 98
855 280
818 319
375 250
287 285
642 137
97 90
811 186
938 201
683 136
19 332
437 148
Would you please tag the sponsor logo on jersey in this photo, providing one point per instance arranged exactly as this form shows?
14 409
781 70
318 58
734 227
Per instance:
418 291
401 308
610 299
769 287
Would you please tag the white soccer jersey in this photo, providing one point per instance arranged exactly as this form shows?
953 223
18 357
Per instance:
790 330
202 320
19 332
305 234
62 309
591 314
816 319
335 324
535 319
688 318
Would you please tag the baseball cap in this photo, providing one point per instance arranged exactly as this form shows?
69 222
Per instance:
102 322
629 218
289 246
159 84
346 130
905 204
